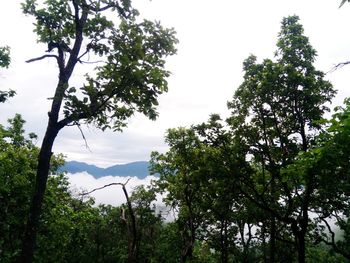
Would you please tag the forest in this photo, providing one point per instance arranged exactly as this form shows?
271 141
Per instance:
270 183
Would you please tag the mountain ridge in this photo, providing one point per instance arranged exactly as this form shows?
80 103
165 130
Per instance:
138 169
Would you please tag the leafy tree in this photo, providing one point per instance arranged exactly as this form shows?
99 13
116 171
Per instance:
181 179
18 161
276 112
330 159
5 61
199 184
129 78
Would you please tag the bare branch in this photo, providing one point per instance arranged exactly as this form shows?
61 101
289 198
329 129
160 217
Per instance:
107 185
333 243
91 62
82 55
41 58
338 66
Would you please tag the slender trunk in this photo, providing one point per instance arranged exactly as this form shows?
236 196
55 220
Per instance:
224 241
273 226
299 235
189 240
38 197
187 252
132 251
301 247
272 239
264 242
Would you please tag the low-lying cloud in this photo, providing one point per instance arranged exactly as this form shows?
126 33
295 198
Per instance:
112 195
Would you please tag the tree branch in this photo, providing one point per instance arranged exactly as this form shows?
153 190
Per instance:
102 187
41 58
333 243
338 66
82 134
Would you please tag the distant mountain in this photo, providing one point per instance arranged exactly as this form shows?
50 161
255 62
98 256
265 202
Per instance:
138 169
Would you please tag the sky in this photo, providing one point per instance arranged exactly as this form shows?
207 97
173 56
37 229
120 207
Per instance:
215 37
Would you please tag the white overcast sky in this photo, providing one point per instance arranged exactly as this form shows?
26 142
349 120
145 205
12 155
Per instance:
215 37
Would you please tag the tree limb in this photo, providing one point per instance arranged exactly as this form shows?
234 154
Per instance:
333 243
338 66
82 134
107 185
41 58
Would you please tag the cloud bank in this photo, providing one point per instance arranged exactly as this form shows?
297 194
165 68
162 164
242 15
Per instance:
113 195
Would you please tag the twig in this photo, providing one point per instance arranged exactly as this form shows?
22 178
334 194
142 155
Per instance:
338 66
91 62
41 58
82 134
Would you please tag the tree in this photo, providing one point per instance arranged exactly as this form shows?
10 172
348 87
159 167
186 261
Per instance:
5 61
276 112
18 162
330 158
129 78
181 179
194 174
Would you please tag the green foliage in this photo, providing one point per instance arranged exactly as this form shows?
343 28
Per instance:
5 61
276 113
18 161
268 171
131 74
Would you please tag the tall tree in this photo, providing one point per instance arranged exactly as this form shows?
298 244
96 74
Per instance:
129 78
276 112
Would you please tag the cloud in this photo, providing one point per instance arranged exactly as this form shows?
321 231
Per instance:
113 195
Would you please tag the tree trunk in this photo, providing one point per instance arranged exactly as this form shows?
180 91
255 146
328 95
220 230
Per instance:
272 239
301 247
38 196
273 225
223 241
132 249
53 127
186 253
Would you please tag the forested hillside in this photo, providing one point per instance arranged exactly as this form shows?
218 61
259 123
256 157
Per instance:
138 169
270 183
